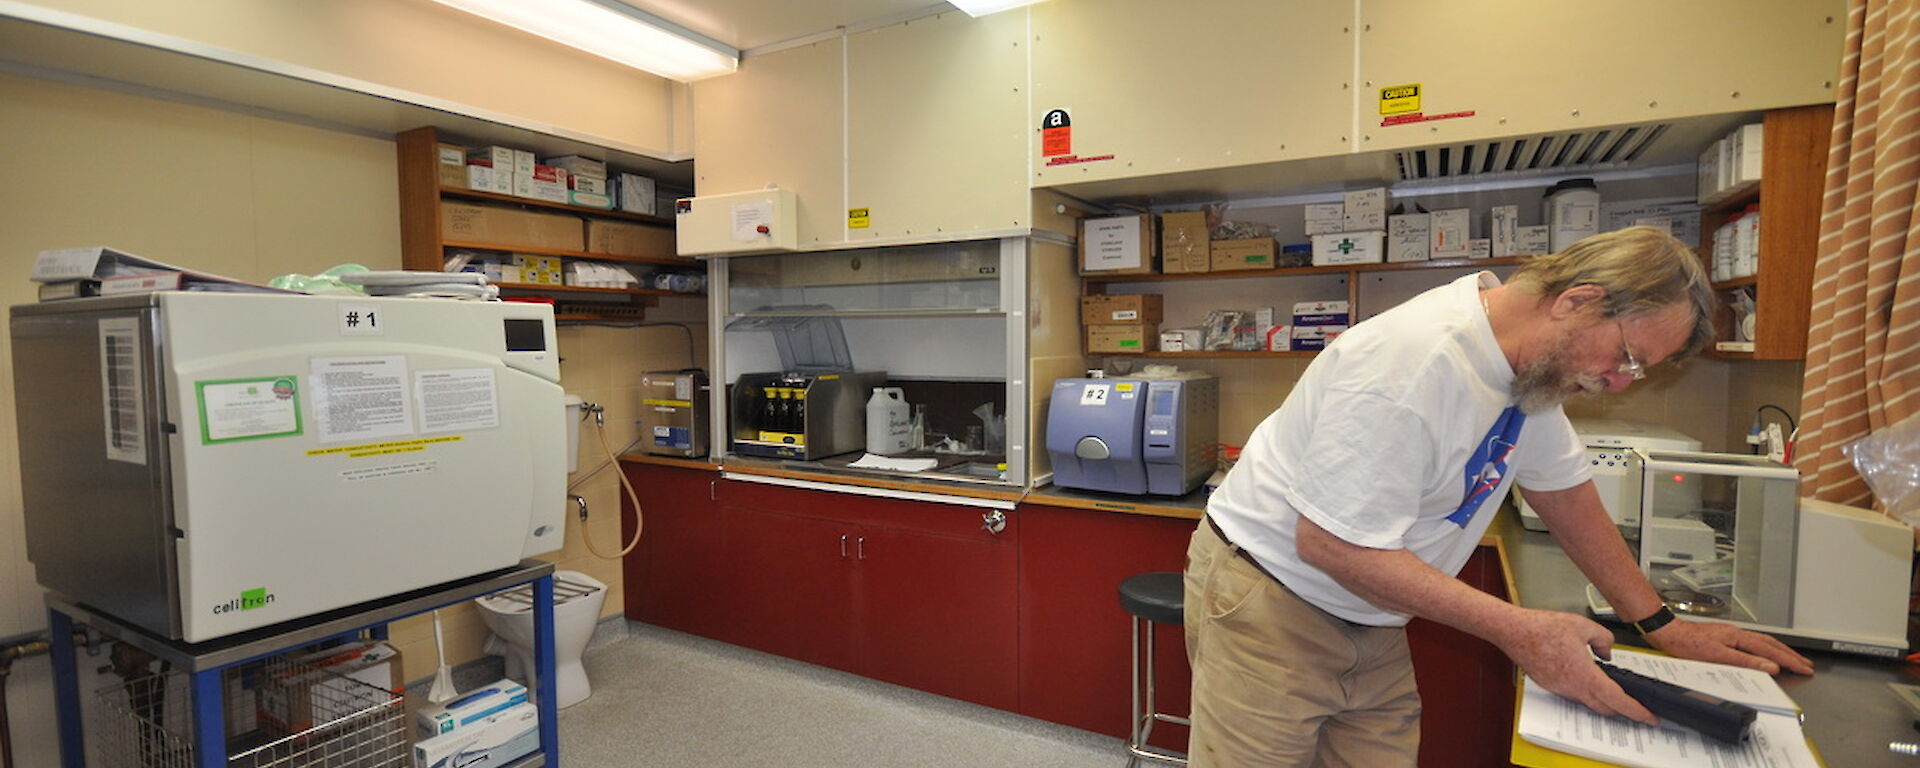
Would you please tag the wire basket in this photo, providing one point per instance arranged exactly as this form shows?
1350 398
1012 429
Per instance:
318 719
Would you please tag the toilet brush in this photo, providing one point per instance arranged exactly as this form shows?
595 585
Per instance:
442 691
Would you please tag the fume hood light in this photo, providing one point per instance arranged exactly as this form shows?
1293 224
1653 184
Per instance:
978 8
615 31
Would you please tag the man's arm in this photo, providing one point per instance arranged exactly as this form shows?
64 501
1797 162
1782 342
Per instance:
1554 647
1580 525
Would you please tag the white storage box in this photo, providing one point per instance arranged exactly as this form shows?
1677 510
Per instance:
1349 248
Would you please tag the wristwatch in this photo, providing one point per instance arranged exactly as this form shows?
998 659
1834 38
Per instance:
1651 624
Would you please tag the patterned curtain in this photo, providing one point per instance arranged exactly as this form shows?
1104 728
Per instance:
1863 339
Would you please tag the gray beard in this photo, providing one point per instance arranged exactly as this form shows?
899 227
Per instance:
1546 382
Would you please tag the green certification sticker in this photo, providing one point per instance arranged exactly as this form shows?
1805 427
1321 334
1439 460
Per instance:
248 409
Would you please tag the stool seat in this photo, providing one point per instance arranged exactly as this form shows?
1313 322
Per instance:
1156 597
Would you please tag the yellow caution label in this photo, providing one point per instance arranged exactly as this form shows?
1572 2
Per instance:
673 403
788 438
384 449
859 218
1400 99
1123 387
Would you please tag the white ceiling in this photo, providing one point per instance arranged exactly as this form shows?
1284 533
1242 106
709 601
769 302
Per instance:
749 24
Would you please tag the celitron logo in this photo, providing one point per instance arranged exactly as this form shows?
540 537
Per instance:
249 600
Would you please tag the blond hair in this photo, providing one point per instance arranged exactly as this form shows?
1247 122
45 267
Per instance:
1643 270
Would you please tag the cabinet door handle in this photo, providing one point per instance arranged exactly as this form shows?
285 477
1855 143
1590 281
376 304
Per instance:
994 522
843 545
713 490
862 546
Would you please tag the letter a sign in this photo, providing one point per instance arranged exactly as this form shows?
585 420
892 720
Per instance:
1056 134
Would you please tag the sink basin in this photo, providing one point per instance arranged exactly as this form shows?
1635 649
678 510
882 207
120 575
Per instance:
983 469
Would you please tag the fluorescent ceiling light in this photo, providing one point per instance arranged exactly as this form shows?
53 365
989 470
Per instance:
978 8
613 31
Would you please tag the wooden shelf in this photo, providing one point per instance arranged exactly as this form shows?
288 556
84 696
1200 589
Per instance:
1218 353
599 213
1504 261
669 261
1738 202
547 288
1738 282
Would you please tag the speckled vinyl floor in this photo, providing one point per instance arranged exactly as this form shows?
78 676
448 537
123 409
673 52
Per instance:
662 698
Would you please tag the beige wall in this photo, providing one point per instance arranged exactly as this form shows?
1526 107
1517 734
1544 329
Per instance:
424 48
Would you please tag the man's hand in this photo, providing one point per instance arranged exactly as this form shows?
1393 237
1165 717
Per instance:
1556 649
1725 644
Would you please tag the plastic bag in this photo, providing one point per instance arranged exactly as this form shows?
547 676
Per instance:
325 283
1889 460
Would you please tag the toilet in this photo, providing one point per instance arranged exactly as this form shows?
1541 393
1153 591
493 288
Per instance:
577 599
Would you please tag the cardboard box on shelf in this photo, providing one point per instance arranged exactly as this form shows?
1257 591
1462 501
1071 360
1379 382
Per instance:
1133 337
500 739
589 184
589 200
1180 340
1326 218
1366 209
1447 237
330 685
1184 243
1503 224
1251 253
636 194
539 270
1315 337
1479 248
1744 153
544 183
479 176
1407 237
1117 245
620 238
493 225
451 165
1531 241
1130 308
1279 338
580 166
1349 248
1321 313
501 160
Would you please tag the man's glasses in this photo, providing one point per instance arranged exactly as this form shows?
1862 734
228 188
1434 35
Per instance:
1632 366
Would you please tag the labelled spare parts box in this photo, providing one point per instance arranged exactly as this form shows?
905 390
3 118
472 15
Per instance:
1185 245
1131 308
1118 245
1128 338
1251 253
499 225
620 238
450 164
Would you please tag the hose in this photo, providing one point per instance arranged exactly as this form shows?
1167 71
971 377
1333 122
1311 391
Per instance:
8 654
600 431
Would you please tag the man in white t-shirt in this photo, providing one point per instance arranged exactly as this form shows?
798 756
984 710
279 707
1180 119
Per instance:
1357 502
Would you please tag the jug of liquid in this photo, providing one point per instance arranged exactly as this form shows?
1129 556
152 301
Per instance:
888 430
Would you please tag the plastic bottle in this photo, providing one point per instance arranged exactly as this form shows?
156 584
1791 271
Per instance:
1571 209
787 420
888 431
770 410
800 412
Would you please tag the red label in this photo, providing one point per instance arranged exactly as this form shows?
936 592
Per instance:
1071 159
1056 141
1422 118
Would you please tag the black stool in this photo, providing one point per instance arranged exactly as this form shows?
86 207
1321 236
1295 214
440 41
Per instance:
1150 598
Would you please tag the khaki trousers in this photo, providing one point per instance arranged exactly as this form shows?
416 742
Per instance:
1279 682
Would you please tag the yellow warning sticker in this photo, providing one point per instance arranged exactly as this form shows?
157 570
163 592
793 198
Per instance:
1400 99
1123 387
859 218
383 449
668 403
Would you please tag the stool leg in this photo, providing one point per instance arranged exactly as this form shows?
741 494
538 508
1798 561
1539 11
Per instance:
1134 738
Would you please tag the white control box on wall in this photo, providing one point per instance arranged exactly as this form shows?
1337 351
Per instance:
742 222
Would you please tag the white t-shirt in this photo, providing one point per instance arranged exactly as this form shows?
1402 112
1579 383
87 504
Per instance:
1400 435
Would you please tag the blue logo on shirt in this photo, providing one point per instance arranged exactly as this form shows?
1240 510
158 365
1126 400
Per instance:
1488 464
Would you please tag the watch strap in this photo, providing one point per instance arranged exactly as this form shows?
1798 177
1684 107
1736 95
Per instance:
1651 624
